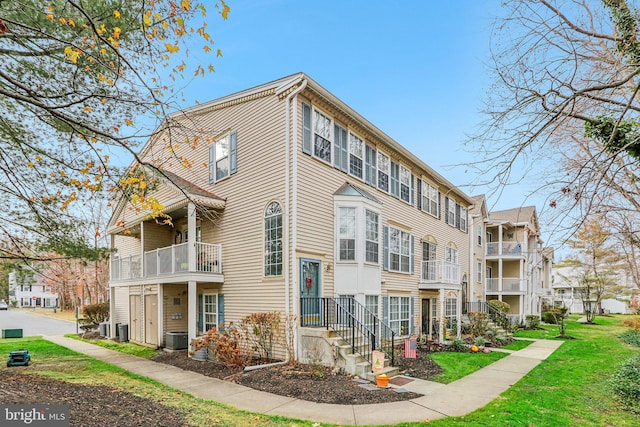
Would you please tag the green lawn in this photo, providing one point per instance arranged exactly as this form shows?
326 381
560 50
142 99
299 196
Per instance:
568 389
517 345
53 361
458 365
125 347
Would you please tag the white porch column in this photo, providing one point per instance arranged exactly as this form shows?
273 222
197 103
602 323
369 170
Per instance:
499 239
112 310
500 273
192 310
441 317
142 247
191 228
160 315
459 316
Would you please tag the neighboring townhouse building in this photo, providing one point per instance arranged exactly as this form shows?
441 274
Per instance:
27 290
289 201
518 268
479 216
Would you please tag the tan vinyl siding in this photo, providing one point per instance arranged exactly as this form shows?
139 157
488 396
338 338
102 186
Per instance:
175 316
126 245
121 305
157 236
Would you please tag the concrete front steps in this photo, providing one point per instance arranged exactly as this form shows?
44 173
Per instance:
353 362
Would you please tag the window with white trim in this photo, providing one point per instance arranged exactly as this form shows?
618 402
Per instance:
399 250
383 171
479 272
463 219
451 212
451 312
322 136
371 304
430 199
371 236
370 166
341 152
395 180
480 235
356 154
451 255
405 184
210 310
399 315
347 234
273 240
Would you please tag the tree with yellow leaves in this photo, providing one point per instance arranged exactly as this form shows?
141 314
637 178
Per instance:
81 83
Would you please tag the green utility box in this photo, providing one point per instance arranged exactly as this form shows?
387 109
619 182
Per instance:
12 333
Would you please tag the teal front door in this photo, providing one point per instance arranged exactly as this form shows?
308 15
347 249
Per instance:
310 292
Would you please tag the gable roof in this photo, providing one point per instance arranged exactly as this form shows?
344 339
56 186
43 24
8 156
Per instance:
521 215
479 206
348 189
183 192
285 85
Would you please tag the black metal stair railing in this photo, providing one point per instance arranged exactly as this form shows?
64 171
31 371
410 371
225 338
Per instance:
351 321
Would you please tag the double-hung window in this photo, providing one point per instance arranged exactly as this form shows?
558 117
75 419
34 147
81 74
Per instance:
399 250
399 315
322 136
356 155
341 150
371 236
347 234
451 312
405 184
395 179
479 272
370 166
451 255
210 311
430 199
383 171
451 212
223 157
480 235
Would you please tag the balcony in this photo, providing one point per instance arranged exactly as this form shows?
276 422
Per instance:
506 248
440 272
167 261
509 284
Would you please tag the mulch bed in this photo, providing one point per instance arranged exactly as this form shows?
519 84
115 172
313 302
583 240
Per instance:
308 382
89 405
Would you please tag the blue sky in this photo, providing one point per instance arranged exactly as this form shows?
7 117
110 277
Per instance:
415 69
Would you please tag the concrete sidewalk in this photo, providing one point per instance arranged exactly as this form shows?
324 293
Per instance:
457 398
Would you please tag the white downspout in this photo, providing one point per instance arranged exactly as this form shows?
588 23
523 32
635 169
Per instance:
289 274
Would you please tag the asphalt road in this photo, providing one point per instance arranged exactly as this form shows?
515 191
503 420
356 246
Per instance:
34 324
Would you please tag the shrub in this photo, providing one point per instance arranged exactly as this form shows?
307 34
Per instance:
533 321
479 341
625 383
458 345
501 306
229 345
265 331
551 316
500 339
632 336
633 322
478 323
95 314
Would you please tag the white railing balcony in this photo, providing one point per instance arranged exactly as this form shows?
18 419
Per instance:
126 268
507 248
509 284
438 271
169 260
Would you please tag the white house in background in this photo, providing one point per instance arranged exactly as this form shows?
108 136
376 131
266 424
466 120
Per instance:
27 291
566 292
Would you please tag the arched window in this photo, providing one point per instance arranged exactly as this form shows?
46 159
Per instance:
273 240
